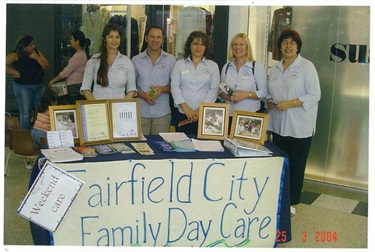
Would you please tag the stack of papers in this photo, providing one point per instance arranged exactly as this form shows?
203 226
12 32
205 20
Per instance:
183 145
63 154
179 141
61 138
208 145
174 136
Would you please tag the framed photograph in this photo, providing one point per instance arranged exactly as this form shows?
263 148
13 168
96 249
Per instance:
64 117
213 121
94 123
249 126
125 120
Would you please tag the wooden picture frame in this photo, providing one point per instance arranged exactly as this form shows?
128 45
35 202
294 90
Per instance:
64 117
249 126
94 122
125 120
213 121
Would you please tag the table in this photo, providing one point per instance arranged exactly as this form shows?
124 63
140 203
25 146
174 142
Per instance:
43 237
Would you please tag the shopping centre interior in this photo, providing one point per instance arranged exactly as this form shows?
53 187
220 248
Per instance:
334 207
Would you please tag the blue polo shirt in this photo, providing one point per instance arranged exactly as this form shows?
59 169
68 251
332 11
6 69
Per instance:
195 85
148 75
120 76
300 80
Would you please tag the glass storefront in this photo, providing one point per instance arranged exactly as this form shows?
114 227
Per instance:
92 19
336 39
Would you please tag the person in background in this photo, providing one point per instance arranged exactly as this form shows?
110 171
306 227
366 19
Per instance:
245 77
295 89
153 69
73 72
27 65
42 123
109 74
195 79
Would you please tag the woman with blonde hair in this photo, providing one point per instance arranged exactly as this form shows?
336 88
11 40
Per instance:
244 76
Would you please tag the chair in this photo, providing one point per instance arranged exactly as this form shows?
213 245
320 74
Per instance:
10 122
22 145
43 141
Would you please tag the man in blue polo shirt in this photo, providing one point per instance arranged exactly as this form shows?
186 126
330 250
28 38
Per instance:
153 68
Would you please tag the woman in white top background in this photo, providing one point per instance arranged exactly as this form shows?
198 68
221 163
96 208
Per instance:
110 71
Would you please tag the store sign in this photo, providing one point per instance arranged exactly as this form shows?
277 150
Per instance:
185 203
354 53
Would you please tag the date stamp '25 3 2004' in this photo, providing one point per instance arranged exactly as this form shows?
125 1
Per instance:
319 236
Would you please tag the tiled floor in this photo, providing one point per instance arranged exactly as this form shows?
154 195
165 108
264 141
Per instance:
349 201
328 217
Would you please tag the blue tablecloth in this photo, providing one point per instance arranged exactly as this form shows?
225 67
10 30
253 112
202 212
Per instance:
43 237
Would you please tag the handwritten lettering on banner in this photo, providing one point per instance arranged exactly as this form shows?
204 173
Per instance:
199 203
50 197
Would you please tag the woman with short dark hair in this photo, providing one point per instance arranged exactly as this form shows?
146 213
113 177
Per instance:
295 92
195 79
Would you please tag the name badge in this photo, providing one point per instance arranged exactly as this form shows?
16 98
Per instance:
185 72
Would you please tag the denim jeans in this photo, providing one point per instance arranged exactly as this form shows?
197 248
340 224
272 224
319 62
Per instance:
36 134
28 98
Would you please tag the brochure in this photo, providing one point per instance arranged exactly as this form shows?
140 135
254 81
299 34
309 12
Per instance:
122 148
226 88
164 146
271 102
104 149
86 151
143 148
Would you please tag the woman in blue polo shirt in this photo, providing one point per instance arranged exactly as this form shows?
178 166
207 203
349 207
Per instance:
112 72
195 79
294 85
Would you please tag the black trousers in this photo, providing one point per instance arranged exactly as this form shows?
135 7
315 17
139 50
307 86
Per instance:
297 150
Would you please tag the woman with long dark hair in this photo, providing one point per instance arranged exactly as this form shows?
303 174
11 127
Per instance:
27 65
109 74
73 72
